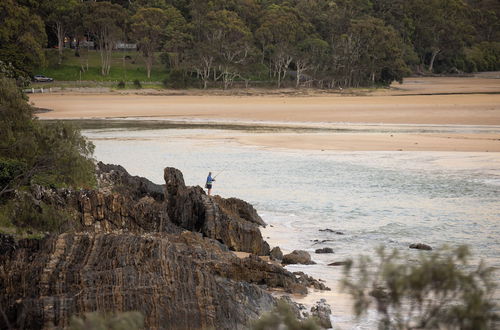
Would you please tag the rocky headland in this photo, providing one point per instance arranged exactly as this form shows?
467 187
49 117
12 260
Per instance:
132 245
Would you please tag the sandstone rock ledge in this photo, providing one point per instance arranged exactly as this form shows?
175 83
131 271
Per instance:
134 245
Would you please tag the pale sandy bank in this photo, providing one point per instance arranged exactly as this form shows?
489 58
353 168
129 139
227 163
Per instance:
476 109
400 105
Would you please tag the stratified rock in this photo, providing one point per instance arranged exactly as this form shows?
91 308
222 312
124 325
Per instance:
297 257
125 202
231 221
132 245
276 254
174 281
322 311
420 246
338 263
324 250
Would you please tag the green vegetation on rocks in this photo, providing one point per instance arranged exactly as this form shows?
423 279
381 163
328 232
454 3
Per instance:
53 155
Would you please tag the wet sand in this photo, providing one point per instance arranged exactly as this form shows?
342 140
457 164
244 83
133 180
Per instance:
402 104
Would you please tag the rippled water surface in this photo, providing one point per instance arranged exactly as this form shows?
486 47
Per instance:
374 198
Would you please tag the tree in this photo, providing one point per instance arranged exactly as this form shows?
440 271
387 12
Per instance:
280 29
149 30
309 55
59 17
231 40
178 37
381 57
105 21
22 38
35 152
439 291
440 28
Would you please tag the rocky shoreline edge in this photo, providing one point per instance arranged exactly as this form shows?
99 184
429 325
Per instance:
162 250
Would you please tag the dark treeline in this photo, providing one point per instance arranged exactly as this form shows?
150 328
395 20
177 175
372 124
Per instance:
320 43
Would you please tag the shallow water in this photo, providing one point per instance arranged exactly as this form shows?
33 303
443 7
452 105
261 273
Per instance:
374 198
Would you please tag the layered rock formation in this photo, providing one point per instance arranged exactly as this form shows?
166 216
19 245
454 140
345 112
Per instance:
134 245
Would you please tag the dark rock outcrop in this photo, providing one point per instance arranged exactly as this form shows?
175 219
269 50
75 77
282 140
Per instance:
173 280
276 254
324 250
420 246
297 257
230 221
134 245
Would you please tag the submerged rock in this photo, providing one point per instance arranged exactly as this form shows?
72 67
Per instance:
338 263
298 257
420 246
324 250
332 231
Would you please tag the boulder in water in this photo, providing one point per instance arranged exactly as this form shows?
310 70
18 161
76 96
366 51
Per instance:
324 250
420 246
298 257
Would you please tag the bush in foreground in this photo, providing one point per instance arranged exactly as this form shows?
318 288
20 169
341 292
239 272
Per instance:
439 290
283 317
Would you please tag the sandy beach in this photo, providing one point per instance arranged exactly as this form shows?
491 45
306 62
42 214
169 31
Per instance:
407 104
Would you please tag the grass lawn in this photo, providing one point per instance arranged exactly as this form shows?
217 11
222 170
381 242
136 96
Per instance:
125 65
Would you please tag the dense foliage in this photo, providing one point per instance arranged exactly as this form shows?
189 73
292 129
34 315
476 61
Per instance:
437 291
322 43
32 152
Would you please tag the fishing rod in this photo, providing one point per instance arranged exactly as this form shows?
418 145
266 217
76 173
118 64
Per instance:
221 171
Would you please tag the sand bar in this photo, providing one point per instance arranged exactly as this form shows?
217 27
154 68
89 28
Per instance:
407 104
476 109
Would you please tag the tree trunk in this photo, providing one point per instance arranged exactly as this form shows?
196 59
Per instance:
60 40
435 52
149 64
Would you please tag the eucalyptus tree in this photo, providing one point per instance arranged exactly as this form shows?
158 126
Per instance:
178 37
105 21
309 56
149 29
380 59
232 40
440 29
59 16
281 28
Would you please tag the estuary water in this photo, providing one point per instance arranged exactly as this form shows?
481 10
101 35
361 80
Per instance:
373 198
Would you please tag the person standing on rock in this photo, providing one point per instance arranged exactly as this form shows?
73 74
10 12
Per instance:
208 185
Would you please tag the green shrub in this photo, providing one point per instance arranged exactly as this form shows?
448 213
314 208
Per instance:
137 84
179 79
28 215
98 321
